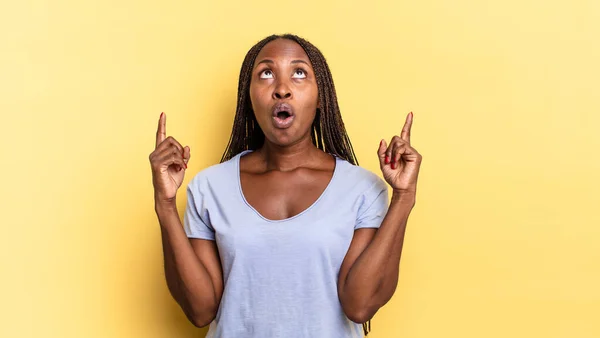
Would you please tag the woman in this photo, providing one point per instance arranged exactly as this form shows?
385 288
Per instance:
287 236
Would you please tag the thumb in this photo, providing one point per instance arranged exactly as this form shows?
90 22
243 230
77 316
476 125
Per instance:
381 153
186 154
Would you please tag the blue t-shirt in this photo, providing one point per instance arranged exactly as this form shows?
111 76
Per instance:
280 276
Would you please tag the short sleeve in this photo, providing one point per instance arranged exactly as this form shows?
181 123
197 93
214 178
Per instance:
373 206
196 220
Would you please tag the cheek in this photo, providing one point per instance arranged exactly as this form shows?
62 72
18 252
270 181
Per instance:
312 94
310 98
257 97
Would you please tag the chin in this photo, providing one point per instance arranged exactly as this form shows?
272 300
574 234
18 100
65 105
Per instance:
283 137
281 141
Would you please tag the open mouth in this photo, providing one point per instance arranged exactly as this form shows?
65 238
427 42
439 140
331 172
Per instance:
283 115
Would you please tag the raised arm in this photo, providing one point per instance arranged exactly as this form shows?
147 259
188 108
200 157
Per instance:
369 274
192 266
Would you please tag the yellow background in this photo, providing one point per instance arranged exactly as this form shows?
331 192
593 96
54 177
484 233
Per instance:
503 241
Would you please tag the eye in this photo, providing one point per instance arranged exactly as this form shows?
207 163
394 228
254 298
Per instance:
299 74
266 74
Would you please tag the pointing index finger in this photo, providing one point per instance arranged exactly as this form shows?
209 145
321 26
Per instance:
161 133
406 129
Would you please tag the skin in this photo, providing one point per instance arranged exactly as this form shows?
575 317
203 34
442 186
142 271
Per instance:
288 173
271 179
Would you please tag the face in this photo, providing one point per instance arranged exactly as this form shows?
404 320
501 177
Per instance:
284 92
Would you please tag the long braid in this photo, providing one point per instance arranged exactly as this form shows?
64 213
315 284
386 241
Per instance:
336 138
328 134
245 134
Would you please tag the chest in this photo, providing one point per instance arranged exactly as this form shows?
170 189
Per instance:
280 195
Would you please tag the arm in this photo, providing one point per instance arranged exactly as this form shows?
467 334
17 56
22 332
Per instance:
192 269
369 274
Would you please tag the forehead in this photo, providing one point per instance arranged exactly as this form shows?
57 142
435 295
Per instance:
282 49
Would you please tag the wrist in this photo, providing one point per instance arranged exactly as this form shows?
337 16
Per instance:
404 197
162 207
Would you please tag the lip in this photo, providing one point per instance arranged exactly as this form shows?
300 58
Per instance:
282 123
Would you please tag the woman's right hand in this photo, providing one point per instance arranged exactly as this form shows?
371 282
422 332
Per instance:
168 161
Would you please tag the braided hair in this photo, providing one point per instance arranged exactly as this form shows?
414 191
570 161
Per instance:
328 131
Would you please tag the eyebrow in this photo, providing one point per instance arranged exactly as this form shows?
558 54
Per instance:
293 62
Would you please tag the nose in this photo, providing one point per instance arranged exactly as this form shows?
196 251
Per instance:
282 91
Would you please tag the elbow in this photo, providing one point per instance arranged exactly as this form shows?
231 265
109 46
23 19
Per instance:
201 317
359 313
201 320
359 317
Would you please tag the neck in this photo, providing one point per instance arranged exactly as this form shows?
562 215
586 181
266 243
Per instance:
286 158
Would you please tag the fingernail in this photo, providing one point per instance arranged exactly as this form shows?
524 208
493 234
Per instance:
393 165
185 165
387 159
161 114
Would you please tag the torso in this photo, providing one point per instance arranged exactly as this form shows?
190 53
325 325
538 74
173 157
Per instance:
279 195
280 275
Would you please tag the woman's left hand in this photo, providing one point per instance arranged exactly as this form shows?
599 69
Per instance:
399 161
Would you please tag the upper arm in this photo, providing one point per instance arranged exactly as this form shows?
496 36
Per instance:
371 212
201 234
208 254
361 239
